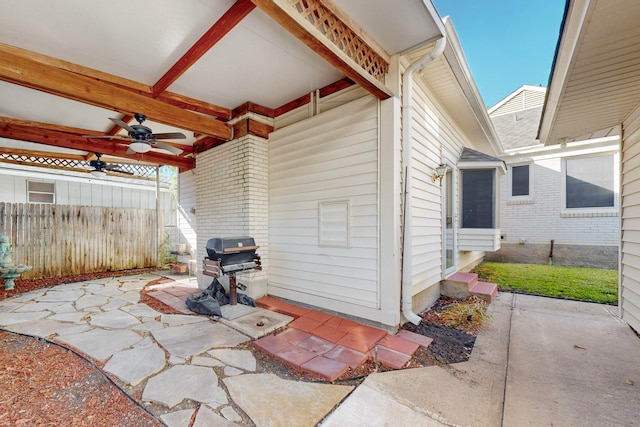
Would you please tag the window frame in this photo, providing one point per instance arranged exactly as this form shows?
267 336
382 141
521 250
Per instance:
495 196
36 192
591 210
527 197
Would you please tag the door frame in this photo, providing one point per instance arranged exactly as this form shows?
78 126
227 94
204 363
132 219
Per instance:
449 201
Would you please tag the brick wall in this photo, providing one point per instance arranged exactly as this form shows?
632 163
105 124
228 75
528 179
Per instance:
537 221
540 219
232 200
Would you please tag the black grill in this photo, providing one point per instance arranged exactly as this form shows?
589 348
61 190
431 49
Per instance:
228 256
233 253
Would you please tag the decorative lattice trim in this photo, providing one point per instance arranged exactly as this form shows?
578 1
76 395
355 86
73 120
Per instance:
139 171
343 37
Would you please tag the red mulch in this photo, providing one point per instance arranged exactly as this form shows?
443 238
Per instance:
42 384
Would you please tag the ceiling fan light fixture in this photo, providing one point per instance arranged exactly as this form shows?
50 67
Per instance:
140 147
98 173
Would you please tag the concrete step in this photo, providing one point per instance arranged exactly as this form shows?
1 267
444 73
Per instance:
458 285
485 290
462 285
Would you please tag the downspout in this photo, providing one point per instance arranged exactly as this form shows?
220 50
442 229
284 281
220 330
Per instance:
407 150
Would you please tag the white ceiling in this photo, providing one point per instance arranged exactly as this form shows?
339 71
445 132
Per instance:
257 61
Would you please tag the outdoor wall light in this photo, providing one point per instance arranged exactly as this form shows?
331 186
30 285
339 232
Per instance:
439 173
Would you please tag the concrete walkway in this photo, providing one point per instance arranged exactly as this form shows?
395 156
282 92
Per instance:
543 362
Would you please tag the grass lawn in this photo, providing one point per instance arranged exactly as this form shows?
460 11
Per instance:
576 283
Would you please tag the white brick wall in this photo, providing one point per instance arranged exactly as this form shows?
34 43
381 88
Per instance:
232 200
540 220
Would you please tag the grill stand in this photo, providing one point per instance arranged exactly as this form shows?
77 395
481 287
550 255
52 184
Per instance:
233 289
233 310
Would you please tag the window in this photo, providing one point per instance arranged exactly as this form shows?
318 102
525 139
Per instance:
590 182
334 223
519 180
41 192
478 198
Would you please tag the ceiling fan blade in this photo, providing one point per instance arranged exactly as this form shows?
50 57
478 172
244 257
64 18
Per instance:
122 124
111 168
169 148
106 137
169 135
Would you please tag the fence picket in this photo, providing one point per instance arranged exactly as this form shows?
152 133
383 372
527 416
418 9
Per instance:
59 240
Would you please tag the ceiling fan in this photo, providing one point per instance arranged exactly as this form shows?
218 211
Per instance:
100 168
142 138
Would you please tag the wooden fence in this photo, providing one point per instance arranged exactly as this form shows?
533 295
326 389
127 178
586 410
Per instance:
60 240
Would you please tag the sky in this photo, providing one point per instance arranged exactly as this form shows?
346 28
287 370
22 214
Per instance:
507 43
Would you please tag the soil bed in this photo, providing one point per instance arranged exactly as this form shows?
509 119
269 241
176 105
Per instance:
449 345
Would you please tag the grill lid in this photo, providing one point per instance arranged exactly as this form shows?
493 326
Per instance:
231 250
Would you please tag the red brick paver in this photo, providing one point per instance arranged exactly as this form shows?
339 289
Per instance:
389 357
399 344
319 343
326 368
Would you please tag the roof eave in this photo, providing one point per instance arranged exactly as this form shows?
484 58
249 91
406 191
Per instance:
454 55
575 14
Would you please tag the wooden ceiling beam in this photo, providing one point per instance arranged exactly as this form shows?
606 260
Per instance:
133 86
226 23
19 68
195 105
46 154
368 74
13 130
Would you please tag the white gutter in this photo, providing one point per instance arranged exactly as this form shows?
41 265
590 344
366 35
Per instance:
407 150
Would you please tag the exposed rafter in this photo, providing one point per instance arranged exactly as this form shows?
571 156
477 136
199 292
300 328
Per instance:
20 67
65 137
320 28
230 19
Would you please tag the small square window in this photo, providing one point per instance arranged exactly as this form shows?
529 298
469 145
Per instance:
41 192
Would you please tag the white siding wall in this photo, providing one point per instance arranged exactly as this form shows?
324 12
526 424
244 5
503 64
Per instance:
317 106
522 101
539 220
89 192
630 251
232 200
436 140
330 157
187 209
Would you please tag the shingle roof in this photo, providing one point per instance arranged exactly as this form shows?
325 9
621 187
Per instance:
469 155
518 129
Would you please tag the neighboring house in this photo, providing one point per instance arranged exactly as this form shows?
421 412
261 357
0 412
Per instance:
316 127
566 194
21 183
594 86
26 180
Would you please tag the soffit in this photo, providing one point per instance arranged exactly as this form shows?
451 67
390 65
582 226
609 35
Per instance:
596 78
